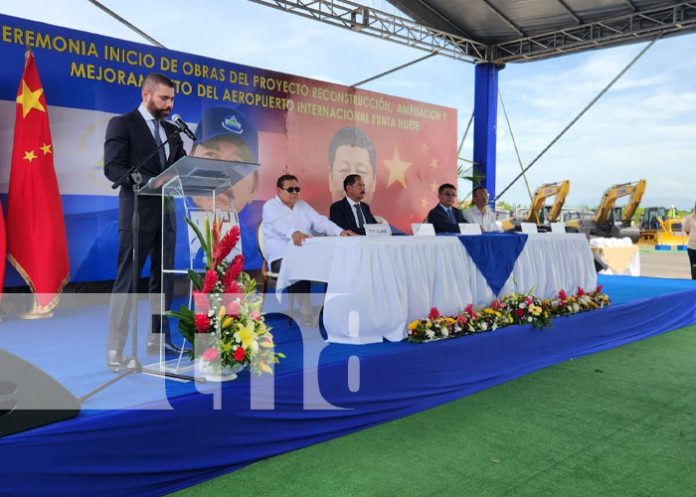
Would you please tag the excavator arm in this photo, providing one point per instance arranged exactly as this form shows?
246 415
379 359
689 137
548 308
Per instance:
560 190
615 192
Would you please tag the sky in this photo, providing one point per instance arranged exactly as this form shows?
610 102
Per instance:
644 127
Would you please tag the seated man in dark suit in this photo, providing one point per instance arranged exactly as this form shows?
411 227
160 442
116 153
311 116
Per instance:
444 217
350 213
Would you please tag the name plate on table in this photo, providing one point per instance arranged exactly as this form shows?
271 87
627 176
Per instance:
529 228
377 229
558 228
469 229
423 229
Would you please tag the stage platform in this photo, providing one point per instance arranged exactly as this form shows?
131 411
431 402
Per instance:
145 436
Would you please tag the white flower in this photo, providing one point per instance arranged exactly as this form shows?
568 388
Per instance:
494 327
445 332
484 326
430 333
529 319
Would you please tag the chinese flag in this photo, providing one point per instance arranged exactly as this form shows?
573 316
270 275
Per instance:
36 243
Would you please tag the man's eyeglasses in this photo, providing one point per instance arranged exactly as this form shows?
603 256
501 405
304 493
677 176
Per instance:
292 189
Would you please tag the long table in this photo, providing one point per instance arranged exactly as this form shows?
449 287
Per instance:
376 286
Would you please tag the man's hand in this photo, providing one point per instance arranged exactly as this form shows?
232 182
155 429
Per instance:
348 233
298 238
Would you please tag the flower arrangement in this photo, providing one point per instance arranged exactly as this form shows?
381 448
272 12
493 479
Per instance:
527 309
225 325
516 308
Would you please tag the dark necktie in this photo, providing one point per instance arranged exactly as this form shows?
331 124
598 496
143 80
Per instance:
451 215
158 142
361 218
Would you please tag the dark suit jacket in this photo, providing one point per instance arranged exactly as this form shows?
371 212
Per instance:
128 141
341 213
441 222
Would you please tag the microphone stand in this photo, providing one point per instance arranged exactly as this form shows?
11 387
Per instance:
134 366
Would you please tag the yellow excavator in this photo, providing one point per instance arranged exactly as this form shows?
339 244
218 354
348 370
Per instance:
539 213
610 220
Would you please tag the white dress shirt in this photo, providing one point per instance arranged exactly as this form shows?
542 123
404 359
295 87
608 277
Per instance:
485 219
280 222
149 119
355 211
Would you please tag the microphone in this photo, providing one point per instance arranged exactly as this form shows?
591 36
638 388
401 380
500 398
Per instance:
183 127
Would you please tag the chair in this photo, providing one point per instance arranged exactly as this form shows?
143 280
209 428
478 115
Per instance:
266 272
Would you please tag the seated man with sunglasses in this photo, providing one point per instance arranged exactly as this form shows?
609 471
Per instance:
287 219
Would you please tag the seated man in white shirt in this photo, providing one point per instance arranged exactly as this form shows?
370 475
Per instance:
480 213
288 219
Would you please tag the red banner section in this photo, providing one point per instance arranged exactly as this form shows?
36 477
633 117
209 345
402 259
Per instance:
403 149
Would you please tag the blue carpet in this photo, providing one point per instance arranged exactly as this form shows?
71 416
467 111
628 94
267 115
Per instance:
146 436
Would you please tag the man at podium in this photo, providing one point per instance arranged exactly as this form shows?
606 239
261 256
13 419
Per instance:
130 138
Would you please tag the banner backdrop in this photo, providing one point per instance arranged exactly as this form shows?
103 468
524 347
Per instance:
318 131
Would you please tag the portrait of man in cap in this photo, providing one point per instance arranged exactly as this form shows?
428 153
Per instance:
225 133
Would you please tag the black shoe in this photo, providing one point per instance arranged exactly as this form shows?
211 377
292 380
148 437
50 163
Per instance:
115 361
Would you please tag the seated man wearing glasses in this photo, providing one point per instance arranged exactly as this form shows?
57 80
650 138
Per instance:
445 217
288 219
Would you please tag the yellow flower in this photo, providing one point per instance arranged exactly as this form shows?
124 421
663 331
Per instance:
247 337
227 322
221 312
265 367
413 325
535 309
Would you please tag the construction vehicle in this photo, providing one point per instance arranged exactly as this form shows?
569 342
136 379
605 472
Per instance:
539 213
611 220
659 231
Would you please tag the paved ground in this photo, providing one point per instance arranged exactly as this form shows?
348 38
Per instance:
673 264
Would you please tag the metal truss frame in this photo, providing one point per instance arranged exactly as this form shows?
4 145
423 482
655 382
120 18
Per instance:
373 22
635 26
622 29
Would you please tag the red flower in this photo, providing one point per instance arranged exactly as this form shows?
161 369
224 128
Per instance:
598 289
469 309
201 302
562 295
233 288
239 354
228 242
202 322
211 279
519 312
233 271
495 305
461 319
434 313
581 292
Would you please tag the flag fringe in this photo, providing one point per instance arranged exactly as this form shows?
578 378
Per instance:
41 309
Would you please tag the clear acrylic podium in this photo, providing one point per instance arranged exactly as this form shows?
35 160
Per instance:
194 188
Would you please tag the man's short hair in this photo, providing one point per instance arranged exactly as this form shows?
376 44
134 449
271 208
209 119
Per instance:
353 137
350 180
284 178
154 79
478 187
446 186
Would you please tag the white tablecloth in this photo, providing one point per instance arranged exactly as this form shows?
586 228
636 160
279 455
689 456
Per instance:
376 286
